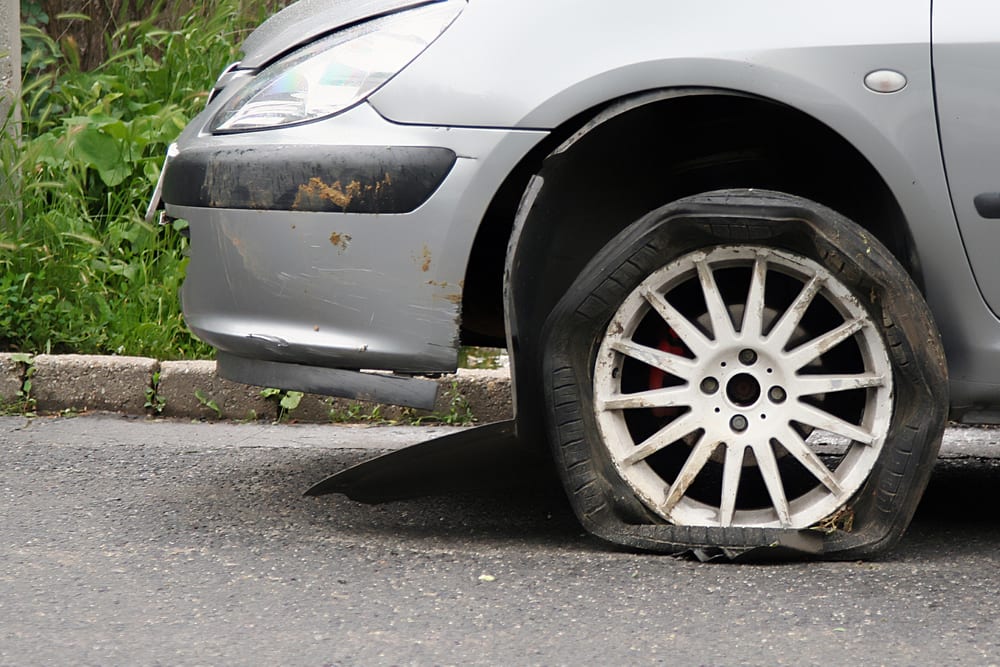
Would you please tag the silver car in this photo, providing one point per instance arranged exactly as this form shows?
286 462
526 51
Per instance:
742 254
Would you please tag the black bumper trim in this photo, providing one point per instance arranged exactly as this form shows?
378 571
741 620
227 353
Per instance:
348 179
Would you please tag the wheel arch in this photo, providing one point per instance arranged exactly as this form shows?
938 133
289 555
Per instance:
604 168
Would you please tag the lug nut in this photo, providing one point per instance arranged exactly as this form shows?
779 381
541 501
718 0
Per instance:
710 385
738 423
777 394
748 357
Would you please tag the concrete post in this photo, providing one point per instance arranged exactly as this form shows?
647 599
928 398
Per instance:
10 55
10 94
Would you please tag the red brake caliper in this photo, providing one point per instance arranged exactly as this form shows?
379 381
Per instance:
657 378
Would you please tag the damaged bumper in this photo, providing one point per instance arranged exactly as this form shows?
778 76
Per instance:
338 244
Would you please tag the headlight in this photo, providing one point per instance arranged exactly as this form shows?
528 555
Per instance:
335 72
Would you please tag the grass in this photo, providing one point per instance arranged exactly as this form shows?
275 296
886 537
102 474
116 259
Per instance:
80 271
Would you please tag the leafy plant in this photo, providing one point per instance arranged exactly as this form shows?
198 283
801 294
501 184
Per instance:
208 402
80 271
356 413
287 400
154 402
24 402
459 411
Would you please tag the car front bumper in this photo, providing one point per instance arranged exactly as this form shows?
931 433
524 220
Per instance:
341 243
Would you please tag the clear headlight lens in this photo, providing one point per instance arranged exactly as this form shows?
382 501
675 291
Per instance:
335 72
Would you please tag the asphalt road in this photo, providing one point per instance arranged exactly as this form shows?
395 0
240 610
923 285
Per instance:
127 542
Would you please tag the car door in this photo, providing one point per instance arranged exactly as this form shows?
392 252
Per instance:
966 60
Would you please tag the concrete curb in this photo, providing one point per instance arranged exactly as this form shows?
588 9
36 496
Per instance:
140 386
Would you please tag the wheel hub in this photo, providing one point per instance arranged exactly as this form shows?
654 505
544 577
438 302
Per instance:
743 390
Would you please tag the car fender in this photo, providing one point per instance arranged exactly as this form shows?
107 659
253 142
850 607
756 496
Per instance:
813 58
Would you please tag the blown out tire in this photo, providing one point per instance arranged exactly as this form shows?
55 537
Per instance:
742 362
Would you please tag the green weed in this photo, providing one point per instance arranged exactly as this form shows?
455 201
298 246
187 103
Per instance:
24 402
208 402
155 403
287 400
356 413
459 412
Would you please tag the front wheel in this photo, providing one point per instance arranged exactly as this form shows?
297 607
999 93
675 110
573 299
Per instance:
743 361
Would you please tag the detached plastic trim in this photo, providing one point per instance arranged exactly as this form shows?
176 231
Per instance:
390 389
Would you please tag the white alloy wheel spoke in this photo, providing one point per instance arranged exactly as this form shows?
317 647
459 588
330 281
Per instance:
699 456
753 315
731 473
692 336
783 330
803 453
669 434
768 466
755 376
819 346
808 385
665 361
722 325
668 397
824 421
